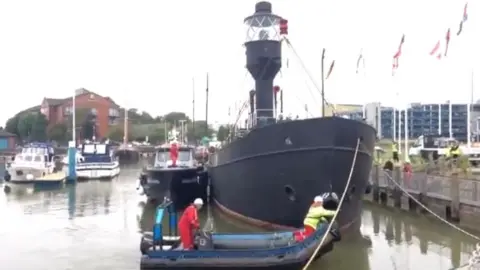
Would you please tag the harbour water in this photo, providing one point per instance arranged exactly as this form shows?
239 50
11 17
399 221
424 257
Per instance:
97 225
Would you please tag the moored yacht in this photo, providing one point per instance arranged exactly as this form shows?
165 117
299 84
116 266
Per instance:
96 161
35 164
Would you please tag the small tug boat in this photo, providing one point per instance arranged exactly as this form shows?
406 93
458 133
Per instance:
35 164
175 175
96 161
276 250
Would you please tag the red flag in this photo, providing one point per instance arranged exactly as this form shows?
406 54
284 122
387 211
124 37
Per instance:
464 19
447 41
397 55
174 154
435 49
399 51
330 69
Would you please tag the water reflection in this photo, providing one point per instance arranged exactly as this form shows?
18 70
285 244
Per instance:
96 225
415 241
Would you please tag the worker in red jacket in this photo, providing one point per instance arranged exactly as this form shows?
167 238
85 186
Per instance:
188 223
174 154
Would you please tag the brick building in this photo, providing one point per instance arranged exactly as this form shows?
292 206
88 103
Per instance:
104 110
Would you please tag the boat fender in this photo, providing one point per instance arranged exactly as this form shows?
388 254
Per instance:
368 189
144 246
29 176
204 240
330 200
143 179
7 189
7 177
140 189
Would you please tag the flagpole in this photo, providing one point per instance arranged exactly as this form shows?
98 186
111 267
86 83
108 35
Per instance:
74 124
440 119
394 125
469 116
399 128
407 158
450 131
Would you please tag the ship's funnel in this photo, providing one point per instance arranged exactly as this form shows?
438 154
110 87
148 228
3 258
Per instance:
263 58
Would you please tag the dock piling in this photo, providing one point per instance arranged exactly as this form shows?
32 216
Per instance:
72 163
397 193
455 196
376 186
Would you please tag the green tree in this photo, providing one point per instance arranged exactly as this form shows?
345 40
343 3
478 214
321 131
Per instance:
157 135
39 128
58 132
201 131
223 132
32 127
84 122
116 133
175 117
24 127
12 125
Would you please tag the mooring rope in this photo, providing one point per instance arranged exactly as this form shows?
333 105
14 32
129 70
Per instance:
342 199
475 256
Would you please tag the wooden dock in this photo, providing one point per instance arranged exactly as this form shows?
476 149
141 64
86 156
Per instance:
452 197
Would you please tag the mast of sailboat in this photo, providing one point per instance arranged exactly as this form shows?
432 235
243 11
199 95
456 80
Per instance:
206 108
323 83
193 110
165 130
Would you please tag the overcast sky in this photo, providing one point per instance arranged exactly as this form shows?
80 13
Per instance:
144 54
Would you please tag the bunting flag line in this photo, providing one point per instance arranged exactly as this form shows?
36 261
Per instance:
397 55
360 59
447 41
330 69
435 51
464 19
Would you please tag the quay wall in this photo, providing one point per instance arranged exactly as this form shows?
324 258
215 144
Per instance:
452 197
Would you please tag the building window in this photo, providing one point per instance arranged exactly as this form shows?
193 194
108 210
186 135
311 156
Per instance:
112 112
113 121
67 110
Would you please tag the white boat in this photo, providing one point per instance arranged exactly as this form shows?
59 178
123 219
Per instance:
96 161
34 165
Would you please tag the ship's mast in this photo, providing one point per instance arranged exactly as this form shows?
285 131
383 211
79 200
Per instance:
206 108
193 111
323 83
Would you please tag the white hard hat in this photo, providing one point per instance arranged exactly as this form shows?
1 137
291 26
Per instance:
318 199
198 201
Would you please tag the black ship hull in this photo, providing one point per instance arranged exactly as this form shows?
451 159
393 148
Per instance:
271 175
180 185
128 156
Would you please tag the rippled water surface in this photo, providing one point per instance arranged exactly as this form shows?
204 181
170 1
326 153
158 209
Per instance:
96 225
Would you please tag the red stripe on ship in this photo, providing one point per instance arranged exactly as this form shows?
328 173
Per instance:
264 224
